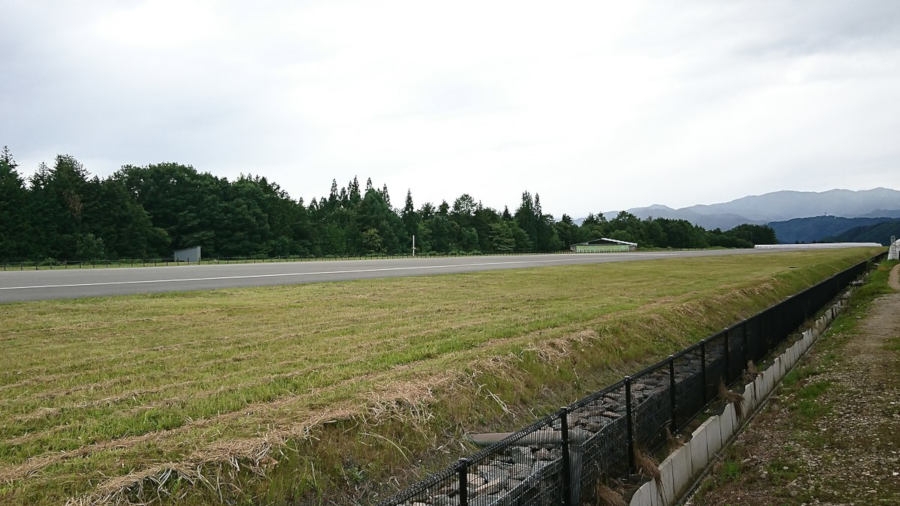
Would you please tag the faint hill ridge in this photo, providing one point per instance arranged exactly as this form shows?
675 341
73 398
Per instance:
780 206
819 228
878 232
789 204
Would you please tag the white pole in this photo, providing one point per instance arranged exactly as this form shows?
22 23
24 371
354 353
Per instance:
414 245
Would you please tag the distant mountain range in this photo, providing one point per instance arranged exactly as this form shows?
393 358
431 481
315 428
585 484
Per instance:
829 213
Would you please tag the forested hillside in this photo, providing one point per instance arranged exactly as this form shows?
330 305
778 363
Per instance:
879 232
62 213
819 228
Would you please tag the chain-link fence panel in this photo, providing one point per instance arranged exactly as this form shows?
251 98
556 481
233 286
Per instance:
605 452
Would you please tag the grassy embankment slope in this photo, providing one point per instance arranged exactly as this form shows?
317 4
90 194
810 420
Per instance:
304 392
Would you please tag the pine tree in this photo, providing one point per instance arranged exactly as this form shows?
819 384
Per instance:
14 223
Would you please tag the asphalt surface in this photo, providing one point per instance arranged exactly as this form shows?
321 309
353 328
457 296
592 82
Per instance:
18 286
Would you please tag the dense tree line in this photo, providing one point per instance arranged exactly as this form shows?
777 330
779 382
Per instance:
63 213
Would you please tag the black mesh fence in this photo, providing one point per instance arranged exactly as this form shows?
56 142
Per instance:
560 458
735 352
690 396
652 407
522 468
755 339
603 441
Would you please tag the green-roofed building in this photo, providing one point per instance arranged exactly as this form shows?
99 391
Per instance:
604 245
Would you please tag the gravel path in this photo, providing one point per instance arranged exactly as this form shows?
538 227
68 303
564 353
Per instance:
831 434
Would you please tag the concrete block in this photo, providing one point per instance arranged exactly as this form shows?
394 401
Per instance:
749 397
788 358
760 388
699 451
653 494
667 475
767 377
647 495
714 438
779 369
727 422
640 497
681 469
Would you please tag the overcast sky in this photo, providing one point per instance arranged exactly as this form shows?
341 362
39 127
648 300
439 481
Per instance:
596 106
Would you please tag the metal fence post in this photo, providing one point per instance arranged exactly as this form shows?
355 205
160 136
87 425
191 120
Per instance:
462 467
672 396
566 462
628 424
703 368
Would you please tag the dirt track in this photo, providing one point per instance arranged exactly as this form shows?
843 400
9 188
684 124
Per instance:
831 435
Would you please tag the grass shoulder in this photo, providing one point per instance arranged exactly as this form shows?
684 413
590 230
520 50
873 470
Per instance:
302 394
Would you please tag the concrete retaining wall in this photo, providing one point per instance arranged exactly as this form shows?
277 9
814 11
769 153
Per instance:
681 468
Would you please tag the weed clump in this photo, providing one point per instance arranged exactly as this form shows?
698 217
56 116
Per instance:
736 399
608 497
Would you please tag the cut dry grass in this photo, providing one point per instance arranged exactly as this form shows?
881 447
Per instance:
204 392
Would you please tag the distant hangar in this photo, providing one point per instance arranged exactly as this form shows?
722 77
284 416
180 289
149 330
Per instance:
604 245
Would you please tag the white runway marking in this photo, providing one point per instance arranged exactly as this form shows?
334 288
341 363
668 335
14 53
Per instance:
276 275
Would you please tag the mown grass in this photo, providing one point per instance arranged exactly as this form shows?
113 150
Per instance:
325 387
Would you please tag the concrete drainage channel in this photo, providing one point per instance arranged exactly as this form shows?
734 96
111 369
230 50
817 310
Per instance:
683 469
572 456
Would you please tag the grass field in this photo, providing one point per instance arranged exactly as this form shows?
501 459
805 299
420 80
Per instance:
297 393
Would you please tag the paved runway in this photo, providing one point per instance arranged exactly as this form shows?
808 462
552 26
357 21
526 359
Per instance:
16 286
